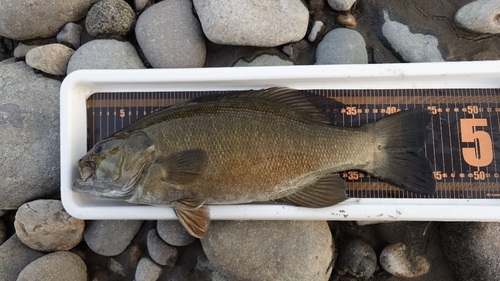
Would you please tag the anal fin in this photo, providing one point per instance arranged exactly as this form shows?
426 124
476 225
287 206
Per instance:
193 215
326 191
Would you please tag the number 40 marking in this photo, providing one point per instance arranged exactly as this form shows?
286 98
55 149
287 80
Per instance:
481 154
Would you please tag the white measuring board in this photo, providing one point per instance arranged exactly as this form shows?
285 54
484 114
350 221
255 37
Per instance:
464 95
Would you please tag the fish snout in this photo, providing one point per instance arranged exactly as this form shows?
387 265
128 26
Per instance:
86 169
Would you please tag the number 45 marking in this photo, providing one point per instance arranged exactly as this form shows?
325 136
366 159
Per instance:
481 154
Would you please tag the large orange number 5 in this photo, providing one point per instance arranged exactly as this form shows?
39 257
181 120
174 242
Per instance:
481 154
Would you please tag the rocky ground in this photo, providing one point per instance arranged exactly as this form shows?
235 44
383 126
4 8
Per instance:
42 41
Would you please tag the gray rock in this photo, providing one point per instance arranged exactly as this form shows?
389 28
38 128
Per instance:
108 18
21 50
172 232
110 237
159 251
44 225
357 259
147 270
270 250
29 135
253 23
342 46
412 47
52 58
395 260
471 249
482 16
205 266
57 266
105 54
70 34
170 35
264 60
25 19
14 256
341 5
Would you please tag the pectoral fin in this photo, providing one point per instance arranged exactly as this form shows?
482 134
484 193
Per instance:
325 191
184 166
193 215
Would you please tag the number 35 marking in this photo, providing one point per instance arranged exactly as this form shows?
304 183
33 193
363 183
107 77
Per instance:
481 154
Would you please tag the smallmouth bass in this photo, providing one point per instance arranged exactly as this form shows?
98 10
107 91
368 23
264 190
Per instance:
253 146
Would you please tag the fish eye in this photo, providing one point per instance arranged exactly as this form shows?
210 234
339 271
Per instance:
98 149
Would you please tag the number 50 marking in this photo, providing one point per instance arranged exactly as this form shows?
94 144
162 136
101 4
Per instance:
481 154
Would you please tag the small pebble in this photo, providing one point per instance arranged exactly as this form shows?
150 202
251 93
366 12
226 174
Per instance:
70 34
347 20
482 16
341 5
315 30
44 225
342 46
52 59
287 49
21 50
264 60
147 270
172 232
110 237
159 251
395 260
108 18
57 266
357 259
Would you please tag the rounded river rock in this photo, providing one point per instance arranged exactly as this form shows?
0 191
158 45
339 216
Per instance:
270 250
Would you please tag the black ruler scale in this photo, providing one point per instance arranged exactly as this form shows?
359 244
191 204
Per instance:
463 146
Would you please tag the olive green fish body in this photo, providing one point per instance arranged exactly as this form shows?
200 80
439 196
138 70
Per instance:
253 146
256 155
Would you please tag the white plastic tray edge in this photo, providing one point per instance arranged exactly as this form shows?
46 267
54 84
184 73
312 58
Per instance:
79 85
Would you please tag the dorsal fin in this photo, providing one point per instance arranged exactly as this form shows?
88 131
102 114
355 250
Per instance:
280 96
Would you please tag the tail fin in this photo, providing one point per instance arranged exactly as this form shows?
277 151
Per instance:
400 158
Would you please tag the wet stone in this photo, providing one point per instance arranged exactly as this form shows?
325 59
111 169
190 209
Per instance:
21 50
